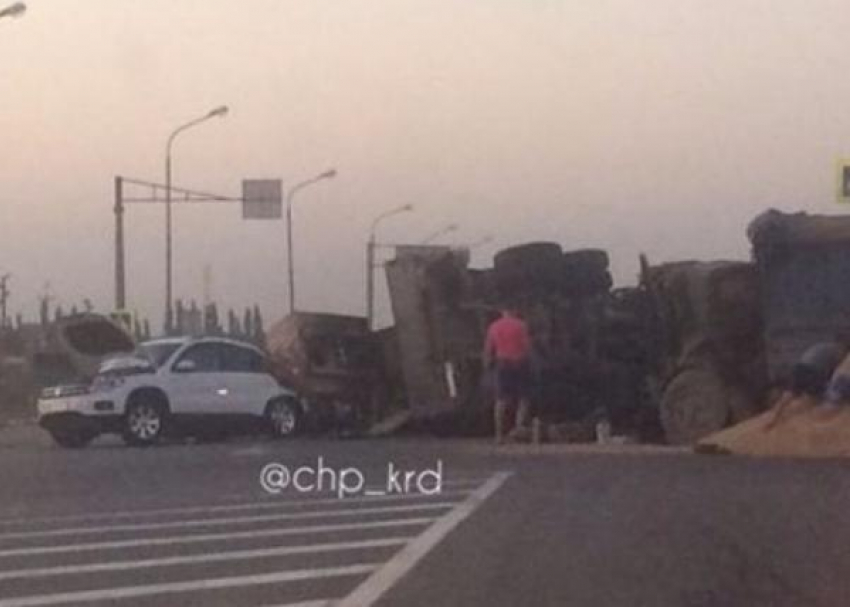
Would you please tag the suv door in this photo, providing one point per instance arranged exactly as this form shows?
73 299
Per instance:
203 388
251 385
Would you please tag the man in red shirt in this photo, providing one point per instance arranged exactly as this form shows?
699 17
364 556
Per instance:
508 348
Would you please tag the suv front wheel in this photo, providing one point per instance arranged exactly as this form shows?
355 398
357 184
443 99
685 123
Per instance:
144 421
282 418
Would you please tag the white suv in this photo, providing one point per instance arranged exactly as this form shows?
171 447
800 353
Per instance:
203 387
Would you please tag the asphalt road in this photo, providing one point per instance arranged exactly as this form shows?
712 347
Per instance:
185 524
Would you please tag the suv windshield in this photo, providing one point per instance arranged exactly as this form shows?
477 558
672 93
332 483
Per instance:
157 353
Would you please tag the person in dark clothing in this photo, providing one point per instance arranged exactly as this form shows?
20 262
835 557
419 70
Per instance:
810 376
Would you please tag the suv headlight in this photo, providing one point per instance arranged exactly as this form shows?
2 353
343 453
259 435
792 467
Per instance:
105 383
63 391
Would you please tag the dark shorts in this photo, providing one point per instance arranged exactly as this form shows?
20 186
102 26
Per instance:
513 380
808 380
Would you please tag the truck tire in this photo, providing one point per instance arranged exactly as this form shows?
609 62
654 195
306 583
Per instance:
530 267
594 260
694 404
585 272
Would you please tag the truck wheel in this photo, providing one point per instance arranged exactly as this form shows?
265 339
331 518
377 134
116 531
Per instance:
282 418
535 266
70 439
590 260
585 272
694 404
144 421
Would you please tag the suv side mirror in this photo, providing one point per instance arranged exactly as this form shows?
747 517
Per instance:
185 366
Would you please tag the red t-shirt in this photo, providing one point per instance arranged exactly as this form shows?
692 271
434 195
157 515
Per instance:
507 339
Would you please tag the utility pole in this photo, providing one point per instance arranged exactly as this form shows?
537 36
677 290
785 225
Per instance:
371 244
120 284
207 284
329 174
370 281
254 192
4 297
44 305
169 310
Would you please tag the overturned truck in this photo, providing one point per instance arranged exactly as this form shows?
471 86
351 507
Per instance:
332 361
728 333
588 340
706 345
803 264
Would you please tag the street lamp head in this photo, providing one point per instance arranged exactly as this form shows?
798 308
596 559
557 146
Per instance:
407 207
219 111
15 10
329 174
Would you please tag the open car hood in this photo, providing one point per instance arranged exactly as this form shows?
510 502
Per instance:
93 335
76 347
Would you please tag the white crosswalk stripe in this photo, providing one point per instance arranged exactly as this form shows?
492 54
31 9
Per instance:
210 584
209 537
217 522
200 558
455 490
291 550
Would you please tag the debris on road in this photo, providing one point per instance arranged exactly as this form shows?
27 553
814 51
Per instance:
804 430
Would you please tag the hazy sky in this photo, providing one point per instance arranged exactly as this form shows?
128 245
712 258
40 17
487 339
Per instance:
661 126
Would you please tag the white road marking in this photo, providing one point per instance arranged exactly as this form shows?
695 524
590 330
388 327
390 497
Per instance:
202 558
213 522
211 537
400 565
107 594
274 502
306 604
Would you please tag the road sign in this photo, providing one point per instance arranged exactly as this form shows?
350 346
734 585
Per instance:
261 199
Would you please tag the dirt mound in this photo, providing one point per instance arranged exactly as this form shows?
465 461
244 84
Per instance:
805 430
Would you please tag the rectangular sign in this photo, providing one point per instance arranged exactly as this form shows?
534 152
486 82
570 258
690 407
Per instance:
261 199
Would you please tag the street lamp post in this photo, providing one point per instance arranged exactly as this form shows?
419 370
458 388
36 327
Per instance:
370 261
444 230
219 111
14 10
329 174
